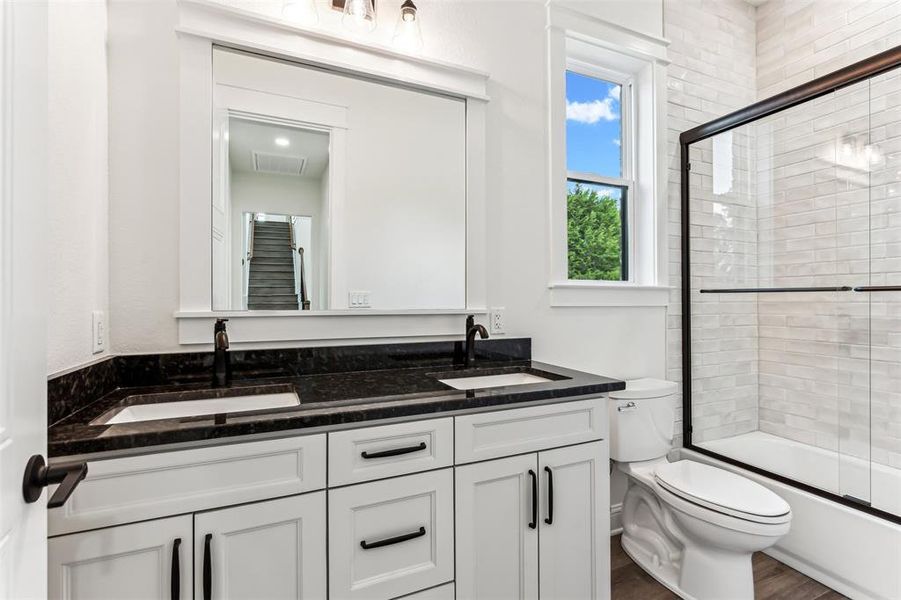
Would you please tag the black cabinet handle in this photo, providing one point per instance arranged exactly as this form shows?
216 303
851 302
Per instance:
395 452
207 568
38 475
534 522
394 540
176 570
550 496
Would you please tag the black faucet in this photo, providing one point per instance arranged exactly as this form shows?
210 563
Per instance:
221 363
472 328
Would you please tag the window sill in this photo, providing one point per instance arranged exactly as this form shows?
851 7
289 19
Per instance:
597 293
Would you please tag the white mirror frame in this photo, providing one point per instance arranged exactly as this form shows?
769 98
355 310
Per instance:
204 24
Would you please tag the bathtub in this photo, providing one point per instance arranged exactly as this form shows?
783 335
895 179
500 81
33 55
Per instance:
853 552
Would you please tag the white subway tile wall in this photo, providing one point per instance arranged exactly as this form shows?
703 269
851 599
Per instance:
814 199
713 72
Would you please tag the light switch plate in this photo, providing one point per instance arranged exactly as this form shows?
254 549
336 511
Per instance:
359 299
98 329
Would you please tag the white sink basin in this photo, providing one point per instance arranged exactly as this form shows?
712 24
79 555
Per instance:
490 381
195 408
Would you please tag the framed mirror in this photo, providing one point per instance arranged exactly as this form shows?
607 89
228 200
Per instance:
334 192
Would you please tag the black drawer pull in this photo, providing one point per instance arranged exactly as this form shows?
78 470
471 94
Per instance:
534 522
550 496
395 452
394 540
207 568
176 570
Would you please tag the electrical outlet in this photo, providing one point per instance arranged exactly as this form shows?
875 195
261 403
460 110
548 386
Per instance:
98 329
496 320
358 300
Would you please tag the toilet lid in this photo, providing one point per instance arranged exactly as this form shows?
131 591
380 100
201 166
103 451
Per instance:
721 490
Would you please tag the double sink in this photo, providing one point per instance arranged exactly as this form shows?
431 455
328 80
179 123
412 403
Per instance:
175 405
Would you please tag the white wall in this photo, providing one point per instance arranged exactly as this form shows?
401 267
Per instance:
625 342
78 265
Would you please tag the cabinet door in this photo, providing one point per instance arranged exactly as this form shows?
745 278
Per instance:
575 522
272 550
143 561
497 548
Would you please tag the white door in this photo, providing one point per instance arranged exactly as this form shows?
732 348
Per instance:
497 534
574 551
142 561
273 550
23 353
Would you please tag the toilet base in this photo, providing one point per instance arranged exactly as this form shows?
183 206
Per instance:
665 574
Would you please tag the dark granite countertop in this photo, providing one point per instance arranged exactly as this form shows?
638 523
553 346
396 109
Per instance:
326 399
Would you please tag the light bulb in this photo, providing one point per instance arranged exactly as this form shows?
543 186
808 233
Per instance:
301 11
407 34
359 16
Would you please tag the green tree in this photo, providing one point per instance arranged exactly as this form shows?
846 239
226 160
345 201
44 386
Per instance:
594 230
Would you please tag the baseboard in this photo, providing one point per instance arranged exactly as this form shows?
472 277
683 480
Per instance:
616 519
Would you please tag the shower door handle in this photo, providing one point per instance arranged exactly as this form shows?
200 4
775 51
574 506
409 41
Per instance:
878 288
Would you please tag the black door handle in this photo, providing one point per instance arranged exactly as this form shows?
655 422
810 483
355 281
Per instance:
534 522
395 452
550 496
394 540
176 570
38 475
207 568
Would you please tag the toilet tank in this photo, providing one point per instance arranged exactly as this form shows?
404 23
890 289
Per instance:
642 420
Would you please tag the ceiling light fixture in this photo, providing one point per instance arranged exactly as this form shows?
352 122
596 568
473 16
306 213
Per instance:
282 141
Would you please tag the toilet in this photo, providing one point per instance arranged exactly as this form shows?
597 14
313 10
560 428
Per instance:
690 525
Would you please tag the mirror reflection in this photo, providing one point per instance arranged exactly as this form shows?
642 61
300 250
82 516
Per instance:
334 193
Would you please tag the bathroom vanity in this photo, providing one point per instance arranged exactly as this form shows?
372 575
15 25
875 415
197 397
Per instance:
489 481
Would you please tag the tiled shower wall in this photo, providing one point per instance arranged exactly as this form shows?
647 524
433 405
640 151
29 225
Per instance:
712 73
828 179
798 211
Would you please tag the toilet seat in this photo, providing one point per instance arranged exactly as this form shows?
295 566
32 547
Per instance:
722 492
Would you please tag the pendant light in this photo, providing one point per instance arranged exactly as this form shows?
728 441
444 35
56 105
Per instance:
359 16
407 34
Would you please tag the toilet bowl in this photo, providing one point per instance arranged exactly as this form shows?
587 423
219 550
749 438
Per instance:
691 526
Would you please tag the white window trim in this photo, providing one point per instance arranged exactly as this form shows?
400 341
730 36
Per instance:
600 49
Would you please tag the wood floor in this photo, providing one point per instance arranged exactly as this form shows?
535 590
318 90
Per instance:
772 581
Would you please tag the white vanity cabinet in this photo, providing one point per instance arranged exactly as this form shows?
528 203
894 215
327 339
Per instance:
273 549
535 525
502 504
149 560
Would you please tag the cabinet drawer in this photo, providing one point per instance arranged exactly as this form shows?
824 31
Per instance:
487 435
391 538
377 452
136 488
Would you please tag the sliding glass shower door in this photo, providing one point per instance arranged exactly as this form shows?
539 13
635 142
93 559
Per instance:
792 322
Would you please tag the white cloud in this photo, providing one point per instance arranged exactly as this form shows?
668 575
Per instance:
613 93
617 142
591 112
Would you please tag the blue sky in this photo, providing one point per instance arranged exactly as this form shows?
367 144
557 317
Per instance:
593 125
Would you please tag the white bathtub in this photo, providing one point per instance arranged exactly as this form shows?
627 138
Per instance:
851 551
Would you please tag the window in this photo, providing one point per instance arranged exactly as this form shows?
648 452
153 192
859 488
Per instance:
598 139
607 150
